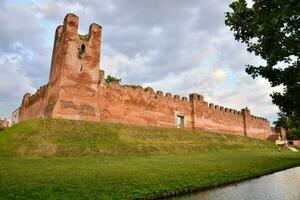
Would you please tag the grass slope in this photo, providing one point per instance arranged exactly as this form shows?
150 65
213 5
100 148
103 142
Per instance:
65 159
65 138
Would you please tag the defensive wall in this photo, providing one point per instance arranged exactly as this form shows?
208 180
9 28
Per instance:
77 90
4 123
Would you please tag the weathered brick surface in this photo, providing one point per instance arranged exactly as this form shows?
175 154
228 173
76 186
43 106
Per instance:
77 90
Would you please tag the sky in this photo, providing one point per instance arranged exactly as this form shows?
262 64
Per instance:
175 46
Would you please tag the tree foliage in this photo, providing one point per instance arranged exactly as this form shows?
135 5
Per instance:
111 79
289 122
271 30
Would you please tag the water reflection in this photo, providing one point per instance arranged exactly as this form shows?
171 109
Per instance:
284 185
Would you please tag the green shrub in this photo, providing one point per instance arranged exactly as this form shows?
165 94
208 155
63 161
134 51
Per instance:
110 79
135 86
293 134
84 37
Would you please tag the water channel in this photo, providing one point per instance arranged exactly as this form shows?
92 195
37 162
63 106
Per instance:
283 185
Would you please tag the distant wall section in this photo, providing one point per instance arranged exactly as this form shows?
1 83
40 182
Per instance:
34 106
135 105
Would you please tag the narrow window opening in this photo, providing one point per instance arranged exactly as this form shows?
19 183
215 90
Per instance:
83 48
179 121
81 68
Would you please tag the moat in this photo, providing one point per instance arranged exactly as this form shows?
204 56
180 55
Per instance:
280 185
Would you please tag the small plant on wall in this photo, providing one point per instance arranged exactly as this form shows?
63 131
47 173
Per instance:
110 79
81 51
135 86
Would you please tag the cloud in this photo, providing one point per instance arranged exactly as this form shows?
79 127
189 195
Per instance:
18 26
22 34
24 60
254 94
123 66
204 81
171 45
13 85
173 34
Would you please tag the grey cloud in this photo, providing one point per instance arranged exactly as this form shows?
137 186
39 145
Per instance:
251 93
22 34
127 28
24 60
18 25
171 44
232 53
13 84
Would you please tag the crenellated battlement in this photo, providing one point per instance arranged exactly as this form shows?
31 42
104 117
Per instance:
77 90
30 99
160 96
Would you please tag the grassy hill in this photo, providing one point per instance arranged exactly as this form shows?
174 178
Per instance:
66 159
57 138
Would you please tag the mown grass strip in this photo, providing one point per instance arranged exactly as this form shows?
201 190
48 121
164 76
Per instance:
65 159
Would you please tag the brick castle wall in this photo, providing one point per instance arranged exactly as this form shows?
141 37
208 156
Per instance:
77 90
34 106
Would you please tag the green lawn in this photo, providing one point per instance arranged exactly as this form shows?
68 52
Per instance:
64 159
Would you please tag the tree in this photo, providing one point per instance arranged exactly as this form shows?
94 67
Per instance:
271 30
110 79
288 122
291 124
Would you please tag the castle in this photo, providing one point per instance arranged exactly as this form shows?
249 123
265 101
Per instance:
77 90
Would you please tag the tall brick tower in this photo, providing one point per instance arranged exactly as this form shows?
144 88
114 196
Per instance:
74 73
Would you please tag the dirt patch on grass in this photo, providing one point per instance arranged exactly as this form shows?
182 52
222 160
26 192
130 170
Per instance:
40 150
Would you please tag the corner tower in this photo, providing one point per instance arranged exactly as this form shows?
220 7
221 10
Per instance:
74 73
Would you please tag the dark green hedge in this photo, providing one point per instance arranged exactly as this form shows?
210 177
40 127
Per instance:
293 134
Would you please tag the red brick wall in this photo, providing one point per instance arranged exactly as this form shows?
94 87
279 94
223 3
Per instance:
76 90
34 106
138 106
145 107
